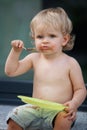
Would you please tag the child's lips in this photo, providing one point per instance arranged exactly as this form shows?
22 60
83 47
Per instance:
44 48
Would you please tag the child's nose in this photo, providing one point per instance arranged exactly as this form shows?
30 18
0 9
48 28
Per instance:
46 40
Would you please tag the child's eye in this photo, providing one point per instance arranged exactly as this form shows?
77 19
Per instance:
52 35
39 36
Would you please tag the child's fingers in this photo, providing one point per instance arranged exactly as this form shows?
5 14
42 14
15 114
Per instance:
70 115
17 43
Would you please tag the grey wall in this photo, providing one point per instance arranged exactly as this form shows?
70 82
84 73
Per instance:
15 16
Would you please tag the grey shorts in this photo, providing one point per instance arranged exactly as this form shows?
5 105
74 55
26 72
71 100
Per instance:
32 117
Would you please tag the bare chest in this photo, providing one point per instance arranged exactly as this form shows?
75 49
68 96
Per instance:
52 72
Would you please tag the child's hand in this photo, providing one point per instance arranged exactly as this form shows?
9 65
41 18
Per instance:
71 110
17 45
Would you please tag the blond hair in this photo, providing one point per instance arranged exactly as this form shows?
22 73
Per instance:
57 18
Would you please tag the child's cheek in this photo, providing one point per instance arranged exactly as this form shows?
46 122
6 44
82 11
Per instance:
54 47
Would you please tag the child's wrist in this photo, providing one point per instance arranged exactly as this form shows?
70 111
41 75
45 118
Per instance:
75 103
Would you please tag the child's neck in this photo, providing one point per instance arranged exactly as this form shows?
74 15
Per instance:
51 56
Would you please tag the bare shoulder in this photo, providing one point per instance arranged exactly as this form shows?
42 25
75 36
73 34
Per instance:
33 56
74 68
72 62
75 73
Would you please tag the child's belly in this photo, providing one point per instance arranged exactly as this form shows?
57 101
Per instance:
55 94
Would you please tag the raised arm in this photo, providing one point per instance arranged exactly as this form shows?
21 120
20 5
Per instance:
14 66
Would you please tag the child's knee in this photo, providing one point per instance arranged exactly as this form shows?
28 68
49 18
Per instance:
13 125
62 122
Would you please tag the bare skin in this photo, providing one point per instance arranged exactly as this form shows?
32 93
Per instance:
55 74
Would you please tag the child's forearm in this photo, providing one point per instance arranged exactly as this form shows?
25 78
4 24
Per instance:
12 62
79 97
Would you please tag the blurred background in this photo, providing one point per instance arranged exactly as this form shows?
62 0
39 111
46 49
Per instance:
15 17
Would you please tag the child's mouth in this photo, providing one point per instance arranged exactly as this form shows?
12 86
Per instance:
44 48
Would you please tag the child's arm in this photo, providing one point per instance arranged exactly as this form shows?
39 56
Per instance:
79 90
14 66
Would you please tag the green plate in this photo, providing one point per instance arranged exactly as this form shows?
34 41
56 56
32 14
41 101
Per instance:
42 103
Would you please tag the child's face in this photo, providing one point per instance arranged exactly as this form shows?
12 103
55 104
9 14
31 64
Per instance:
49 40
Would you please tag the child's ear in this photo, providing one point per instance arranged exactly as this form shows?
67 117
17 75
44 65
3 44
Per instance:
66 38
